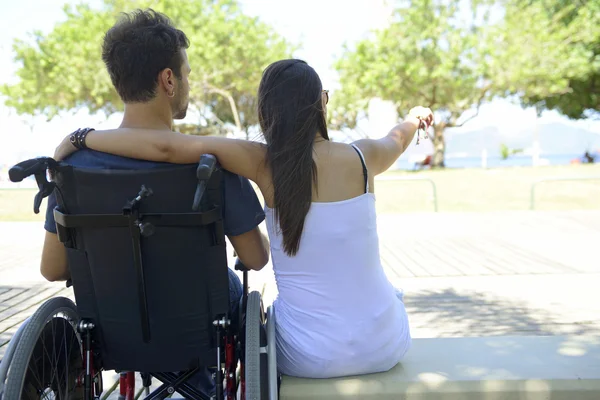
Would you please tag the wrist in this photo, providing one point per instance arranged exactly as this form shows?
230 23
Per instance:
412 122
412 118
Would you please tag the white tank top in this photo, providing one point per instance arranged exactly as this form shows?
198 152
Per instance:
336 312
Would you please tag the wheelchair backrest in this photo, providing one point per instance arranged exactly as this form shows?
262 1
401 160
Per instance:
151 275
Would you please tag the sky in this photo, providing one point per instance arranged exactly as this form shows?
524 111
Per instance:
321 26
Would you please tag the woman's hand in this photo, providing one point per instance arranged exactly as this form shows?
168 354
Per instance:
422 113
64 149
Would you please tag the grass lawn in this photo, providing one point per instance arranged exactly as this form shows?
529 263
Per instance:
496 189
457 189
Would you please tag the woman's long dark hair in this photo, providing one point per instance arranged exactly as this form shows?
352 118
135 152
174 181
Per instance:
290 112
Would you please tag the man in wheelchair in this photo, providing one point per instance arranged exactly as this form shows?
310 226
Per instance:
103 207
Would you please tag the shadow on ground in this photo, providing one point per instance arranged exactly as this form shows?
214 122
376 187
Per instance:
18 302
449 313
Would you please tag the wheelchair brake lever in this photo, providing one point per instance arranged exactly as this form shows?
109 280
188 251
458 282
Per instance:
37 202
44 192
45 187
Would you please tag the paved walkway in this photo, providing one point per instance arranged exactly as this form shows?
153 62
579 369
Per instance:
464 274
519 273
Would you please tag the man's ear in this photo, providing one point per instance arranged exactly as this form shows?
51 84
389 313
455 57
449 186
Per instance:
166 79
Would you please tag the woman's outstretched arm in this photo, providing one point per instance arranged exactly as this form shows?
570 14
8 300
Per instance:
241 157
382 153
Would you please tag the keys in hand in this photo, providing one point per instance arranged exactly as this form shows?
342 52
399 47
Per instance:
423 113
425 117
422 127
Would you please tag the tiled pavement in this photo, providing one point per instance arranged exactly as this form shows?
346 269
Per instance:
464 274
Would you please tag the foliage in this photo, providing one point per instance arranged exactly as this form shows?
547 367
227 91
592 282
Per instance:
63 70
453 56
506 151
582 93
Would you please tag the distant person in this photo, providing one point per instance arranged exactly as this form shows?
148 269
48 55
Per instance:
425 163
588 158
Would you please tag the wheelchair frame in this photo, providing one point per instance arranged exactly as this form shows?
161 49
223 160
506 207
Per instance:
229 345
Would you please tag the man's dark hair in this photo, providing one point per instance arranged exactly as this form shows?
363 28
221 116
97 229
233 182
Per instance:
137 48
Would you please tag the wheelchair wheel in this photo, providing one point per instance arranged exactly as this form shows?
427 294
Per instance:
273 376
47 362
255 360
8 355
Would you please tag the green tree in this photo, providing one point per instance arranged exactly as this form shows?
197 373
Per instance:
453 56
506 151
63 70
582 93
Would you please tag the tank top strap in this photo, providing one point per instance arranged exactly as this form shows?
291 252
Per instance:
364 166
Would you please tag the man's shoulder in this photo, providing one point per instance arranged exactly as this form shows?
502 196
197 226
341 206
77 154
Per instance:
242 209
234 181
95 159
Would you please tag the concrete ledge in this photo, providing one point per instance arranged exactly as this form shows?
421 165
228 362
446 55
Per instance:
483 368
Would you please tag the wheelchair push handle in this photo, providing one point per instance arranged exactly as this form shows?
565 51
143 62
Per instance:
206 166
26 168
37 167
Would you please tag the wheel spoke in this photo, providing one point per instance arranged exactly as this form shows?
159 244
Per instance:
65 376
57 357
62 363
54 360
33 373
46 359
43 358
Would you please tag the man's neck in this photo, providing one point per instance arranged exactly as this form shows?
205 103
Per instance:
147 116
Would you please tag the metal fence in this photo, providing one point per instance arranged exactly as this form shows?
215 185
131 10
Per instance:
535 184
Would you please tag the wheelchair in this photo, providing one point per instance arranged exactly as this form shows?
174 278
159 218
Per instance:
147 256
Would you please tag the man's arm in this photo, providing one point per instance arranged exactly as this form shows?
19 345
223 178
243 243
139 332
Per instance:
252 248
242 214
54 266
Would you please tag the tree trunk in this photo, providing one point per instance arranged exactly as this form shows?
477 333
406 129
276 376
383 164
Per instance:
439 146
231 100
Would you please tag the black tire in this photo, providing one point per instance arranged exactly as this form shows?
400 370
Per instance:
53 324
253 367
